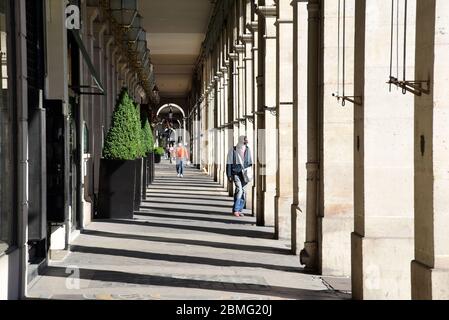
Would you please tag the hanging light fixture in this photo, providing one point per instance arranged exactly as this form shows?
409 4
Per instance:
135 29
124 11
170 114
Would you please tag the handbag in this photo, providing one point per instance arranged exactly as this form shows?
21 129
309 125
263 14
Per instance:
248 174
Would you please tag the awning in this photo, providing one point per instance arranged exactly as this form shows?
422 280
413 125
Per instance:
99 88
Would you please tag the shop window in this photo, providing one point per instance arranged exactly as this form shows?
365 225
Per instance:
7 169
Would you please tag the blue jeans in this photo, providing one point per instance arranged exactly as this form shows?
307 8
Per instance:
240 193
180 167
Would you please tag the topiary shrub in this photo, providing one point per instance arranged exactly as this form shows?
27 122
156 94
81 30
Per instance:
124 139
159 151
147 138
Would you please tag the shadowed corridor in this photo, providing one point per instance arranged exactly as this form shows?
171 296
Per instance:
183 243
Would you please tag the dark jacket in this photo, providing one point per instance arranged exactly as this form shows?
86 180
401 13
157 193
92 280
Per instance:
234 166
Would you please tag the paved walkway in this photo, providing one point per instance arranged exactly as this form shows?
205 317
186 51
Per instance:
183 244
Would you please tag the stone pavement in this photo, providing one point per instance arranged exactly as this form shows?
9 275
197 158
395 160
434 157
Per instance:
183 244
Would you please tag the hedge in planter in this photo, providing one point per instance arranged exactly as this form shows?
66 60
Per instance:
148 140
123 146
158 153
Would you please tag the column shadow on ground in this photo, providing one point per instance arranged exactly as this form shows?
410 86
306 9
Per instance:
194 188
228 232
180 258
153 280
190 242
185 217
175 210
184 184
190 196
162 202
227 212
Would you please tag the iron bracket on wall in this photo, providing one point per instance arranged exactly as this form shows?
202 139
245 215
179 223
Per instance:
357 100
414 86
250 118
272 110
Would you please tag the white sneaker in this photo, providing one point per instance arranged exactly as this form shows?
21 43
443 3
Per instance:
182 176
179 175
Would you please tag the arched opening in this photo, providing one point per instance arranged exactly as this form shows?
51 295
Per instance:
170 106
171 125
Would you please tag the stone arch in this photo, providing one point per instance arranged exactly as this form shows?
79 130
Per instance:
171 105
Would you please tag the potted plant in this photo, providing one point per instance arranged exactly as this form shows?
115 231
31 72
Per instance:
118 166
158 153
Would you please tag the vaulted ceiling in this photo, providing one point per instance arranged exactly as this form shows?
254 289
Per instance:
175 32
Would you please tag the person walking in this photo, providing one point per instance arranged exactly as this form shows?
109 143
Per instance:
167 152
182 156
172 153
239 170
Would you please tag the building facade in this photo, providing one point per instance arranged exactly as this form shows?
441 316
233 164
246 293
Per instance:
63 66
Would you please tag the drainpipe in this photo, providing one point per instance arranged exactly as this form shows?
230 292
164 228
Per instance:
309 255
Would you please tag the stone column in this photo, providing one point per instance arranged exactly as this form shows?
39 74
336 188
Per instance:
270 143
252 26
221 151
300 69
233 57
260 115
247 39
225 110
21 281
337 218
99 102
240 77
382 243
309 255
109 41
430 269
231 129
219 144
284 120
241 69
220 116
114 94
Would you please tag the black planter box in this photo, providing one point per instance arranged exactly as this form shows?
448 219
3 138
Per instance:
157 158
150 169
138 185
145 176
117 189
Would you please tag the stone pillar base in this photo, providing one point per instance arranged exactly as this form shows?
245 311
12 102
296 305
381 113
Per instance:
309 256
220 176
381 268
336 245
254 204
283 210
269 206
429 283
298 229
249 197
